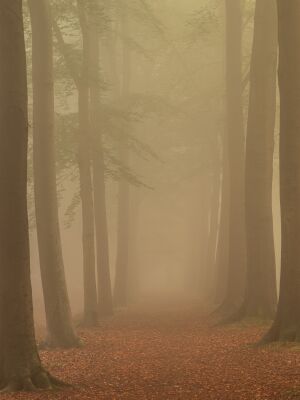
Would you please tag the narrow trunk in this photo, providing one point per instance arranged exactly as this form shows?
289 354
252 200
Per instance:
58 314
90 316
122 267
223 234
105 303
20 366
260 298
286 326
213 234
235 143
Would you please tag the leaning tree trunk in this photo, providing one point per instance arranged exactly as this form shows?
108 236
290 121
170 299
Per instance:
20 366
286 326
261 299
235 143
58 313
90 313
105 301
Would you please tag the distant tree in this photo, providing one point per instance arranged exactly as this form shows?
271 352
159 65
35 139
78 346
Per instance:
21 367
286 326
86 184
122 260
81 80
58 313
260 296
234 144
105 301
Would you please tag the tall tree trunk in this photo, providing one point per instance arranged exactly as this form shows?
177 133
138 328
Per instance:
90 316
287 322
261 296
58 314
122 261
235 143
20 366
105 302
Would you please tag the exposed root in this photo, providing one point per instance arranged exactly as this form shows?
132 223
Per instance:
40 380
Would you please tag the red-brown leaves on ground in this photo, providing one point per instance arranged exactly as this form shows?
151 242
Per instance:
172 354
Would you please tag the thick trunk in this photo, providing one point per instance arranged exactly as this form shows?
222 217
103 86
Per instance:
287 322
105 303
90 316
20 366
58 314
261 296
235 143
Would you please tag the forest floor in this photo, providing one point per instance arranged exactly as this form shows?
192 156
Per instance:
171 352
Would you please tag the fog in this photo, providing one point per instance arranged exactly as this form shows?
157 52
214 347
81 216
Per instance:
150 192
163 88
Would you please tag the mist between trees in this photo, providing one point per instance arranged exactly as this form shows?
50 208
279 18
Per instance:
152 166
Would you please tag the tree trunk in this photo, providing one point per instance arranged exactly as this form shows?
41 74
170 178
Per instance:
20 366
122 261
286 326
58 314
235 143
213 234
90 317
261 295
105 303
223 234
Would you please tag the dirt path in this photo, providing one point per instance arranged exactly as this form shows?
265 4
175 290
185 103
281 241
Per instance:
173 354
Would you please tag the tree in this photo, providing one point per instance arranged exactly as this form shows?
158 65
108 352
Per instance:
234 147
122 260
58 313
260 297
81 81
286 325
86 184
105 301
21 367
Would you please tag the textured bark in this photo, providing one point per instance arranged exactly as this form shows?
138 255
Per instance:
234 145
287 321
261 295
58 314
90 316
20 366
105 302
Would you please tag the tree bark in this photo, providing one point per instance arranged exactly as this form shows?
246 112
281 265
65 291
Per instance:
61 332
261 298
20 366
286 326
105 301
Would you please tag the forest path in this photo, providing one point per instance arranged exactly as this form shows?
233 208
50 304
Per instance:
171 353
